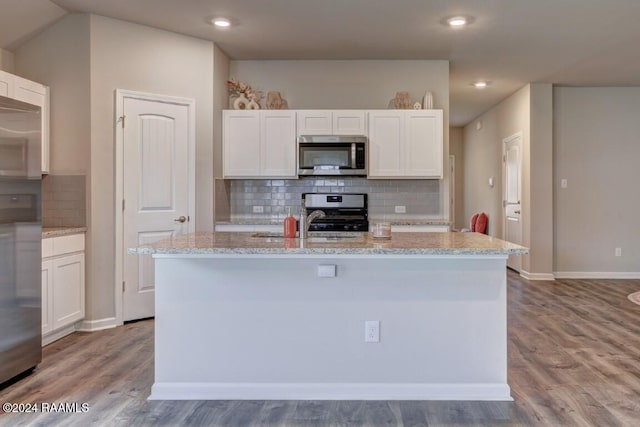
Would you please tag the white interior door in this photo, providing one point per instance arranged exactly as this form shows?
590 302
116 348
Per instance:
156 190
512 157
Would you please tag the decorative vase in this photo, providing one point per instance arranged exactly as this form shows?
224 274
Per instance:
428 101
241 102
275 101
402 101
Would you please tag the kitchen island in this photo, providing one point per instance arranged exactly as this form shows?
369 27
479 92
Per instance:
252 316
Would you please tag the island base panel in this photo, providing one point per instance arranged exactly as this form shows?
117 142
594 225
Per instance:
257 328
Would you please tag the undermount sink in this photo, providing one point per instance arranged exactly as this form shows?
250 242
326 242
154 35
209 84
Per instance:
328 235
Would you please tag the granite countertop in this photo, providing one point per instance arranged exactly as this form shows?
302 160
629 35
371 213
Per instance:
278 221
61 231
225 243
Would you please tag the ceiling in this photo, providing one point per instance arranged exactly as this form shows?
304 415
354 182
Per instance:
510 43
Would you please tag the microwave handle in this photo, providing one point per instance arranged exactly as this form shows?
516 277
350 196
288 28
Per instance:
353 155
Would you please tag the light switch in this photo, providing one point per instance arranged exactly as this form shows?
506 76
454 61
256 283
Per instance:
490 181
327 270
563 183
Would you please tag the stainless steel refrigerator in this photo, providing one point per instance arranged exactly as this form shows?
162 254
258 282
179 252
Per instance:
20 238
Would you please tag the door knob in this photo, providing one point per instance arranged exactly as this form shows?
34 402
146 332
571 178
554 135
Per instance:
181 219
515 212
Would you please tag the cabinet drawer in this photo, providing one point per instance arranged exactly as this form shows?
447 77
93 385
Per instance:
54 246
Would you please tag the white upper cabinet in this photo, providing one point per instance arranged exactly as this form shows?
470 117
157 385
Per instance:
33 93
6 84
259 144
424 143
386 139
278 143
241 143
405 144
331 122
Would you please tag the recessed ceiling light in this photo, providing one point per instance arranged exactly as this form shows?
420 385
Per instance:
221 22
457 21
480 84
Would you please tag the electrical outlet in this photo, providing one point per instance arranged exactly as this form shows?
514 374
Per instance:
258 209
372 331
618 251
401 209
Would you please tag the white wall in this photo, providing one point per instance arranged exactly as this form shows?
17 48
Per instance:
6 61
529 111
597 149
220 102
456 149
48 59
309 84
539 186
135 57
84 59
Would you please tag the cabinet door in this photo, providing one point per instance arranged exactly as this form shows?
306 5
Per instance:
278 139
386 134
314 122
47 269
241 144
419 228
349 122
6 84
67 291
37 94
27 91
423 144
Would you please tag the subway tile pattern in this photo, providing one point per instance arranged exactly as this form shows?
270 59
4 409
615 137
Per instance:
421 198
63 201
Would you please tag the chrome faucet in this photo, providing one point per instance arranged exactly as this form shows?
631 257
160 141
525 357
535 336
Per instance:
305 220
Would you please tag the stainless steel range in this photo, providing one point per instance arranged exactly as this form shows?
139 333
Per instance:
344 212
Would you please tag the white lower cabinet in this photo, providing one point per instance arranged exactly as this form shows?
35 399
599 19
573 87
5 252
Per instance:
249 228
63 283
423 228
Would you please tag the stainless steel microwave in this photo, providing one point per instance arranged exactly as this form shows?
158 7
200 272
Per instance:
332 155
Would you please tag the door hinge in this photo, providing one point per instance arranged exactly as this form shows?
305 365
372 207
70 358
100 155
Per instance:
123 285
122 204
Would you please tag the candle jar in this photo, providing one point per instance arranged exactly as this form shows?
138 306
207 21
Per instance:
381 230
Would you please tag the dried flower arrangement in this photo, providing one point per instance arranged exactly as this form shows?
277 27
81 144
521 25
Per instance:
236 88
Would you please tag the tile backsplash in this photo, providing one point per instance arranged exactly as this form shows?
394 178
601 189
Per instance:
63 201
421 198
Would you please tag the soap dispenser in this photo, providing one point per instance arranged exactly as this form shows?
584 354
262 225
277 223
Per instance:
289 225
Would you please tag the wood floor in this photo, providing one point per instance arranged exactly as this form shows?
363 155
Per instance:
574 360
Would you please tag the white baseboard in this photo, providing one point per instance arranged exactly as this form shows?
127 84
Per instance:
330 391
537 276
56 335
597 274
97 325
